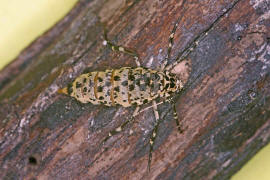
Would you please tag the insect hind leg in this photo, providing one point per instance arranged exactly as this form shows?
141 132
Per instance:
121 127
153 134
122 49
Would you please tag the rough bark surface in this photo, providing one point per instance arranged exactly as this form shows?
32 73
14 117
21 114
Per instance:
225 110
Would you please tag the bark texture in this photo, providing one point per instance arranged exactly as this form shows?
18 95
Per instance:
225 109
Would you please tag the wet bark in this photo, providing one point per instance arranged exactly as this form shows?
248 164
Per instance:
224 109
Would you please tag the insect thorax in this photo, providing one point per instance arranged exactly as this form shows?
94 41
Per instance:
125 86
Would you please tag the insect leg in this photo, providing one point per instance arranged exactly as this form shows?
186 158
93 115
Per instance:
171 37
122 126
190 47
135 113
179 126
148 107
153 134
115 47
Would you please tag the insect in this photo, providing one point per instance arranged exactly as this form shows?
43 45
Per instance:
129 86
125 86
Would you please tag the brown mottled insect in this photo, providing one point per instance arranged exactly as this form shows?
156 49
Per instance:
125 86
128 86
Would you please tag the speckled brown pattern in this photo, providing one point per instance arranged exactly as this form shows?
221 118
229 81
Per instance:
125 86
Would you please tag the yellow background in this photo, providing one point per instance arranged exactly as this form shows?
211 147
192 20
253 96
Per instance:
22 21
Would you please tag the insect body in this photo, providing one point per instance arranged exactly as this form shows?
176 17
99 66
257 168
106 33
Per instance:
125 86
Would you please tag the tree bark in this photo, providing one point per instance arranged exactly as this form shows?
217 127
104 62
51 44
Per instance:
225 108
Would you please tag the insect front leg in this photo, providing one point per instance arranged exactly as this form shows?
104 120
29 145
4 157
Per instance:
178 124
125 50
157 122
171 38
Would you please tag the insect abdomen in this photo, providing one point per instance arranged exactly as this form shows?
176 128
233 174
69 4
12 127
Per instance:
125 86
